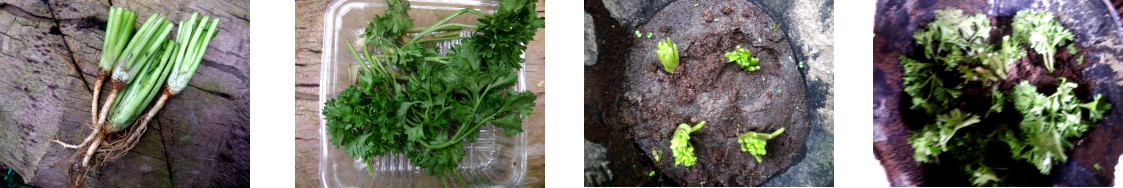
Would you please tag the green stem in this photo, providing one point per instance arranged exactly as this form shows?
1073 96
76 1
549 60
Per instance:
458 137
441 39
362 63
457 174
432 29
417 29
437 59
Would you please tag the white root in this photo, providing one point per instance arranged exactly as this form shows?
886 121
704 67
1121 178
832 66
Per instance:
90 151
139 127
105 108
93 102
65 145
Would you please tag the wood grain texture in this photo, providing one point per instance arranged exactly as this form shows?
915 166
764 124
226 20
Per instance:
309 41
48 56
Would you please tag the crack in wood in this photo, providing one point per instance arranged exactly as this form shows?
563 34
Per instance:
225 68
215 93
65 42
307 96
15 10
164 146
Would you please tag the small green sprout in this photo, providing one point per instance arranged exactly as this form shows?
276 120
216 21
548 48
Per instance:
648 34
658 154
638 35
754 142
652 173
715 19
695 4
1097 166
1080 61
680 144
801 64
668 54
743 58
779 90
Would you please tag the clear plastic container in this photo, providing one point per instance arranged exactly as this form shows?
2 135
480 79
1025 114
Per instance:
493 160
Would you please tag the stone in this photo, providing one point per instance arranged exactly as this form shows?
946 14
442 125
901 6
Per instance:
590 41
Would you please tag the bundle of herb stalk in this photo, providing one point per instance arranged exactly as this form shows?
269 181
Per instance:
409 99
980 135
138 64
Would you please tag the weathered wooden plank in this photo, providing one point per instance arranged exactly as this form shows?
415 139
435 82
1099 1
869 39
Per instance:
201 137
309 36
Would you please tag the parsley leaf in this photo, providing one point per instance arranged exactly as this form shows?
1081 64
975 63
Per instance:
933 138
1047 123
928 91
1042 32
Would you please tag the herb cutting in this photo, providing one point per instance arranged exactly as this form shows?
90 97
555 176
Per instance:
410 99
140 66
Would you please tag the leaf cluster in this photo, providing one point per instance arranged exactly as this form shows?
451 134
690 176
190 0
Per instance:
744 58
928 90
681 148
933 139
957 54
1048 121
503 36
1042 32
754 142
952 36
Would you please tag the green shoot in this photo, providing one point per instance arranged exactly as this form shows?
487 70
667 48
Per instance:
194 34
138 94
681 148
118 30
668 54
744 58
754 142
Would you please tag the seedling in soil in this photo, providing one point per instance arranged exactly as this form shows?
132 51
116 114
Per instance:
744 58
681 148
754 142
668 55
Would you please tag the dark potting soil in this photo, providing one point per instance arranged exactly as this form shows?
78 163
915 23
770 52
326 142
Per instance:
633 106
975 100
603 89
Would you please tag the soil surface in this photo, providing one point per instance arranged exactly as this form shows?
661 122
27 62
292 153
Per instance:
642 99
1097 74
